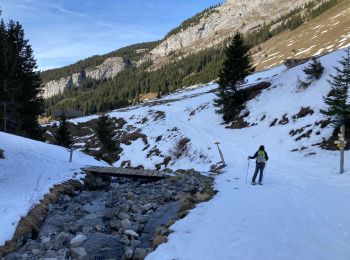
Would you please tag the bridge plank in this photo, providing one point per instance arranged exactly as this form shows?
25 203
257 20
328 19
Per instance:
125 172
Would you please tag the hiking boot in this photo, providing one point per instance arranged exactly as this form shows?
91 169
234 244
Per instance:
253 183
260 183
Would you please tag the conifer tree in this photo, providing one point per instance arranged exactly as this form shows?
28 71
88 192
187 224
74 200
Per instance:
236 68
337 101
314 70
63 135
104 131
20 101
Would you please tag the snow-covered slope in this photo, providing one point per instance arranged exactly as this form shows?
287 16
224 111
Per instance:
302 210
29 170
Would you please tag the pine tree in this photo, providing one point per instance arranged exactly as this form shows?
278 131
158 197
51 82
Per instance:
314 70
104 131
63 135
20 86
337 101
236 68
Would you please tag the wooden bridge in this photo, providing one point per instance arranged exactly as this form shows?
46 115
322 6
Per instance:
125 172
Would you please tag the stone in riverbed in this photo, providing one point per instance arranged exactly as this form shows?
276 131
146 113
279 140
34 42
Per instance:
135 243
96 241
114 223
50 254
136 209
131 233
109 213
125 240
141 218
125 224
147 206
77 240
78 252
60 241
128 253
139 253
123 215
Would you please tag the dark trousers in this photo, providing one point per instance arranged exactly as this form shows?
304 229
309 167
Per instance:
259 167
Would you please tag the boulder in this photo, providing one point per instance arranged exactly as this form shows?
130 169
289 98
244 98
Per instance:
77 240
78 252
131 233
61 241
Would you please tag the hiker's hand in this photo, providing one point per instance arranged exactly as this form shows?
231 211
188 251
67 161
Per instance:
248 157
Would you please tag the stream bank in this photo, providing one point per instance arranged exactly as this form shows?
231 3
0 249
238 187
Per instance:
125 220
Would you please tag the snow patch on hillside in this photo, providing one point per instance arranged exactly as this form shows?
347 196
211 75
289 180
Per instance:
299 213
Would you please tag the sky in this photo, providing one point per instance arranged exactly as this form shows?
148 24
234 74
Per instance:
62 32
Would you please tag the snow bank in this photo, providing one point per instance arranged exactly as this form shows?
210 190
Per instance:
29 170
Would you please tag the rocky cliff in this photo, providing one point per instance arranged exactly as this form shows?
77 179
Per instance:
207 30
107 70
222 22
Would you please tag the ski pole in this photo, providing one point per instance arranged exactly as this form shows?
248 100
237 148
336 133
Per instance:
264 172
246 178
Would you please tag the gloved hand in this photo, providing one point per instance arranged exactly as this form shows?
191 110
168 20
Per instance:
249 158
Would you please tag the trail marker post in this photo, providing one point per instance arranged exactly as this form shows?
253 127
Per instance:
221 155
71 155
341 145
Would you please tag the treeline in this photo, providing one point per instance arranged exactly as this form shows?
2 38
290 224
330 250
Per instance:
324 6
93 61
290 21
20 102
128 85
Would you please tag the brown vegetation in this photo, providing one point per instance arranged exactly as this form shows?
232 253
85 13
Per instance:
181 148
304 111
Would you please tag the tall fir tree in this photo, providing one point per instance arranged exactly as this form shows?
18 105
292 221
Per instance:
104 131
236 67
63 135
20 86
337 101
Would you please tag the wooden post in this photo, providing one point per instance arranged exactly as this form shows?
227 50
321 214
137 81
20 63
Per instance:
342 147
221 155
71 155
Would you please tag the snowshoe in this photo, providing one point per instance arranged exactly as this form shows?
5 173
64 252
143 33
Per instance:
253 183
260 183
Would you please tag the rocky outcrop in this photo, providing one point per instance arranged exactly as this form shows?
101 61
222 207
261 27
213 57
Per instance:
222 22
107 70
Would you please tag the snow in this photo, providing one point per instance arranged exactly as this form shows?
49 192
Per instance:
29 170
301 211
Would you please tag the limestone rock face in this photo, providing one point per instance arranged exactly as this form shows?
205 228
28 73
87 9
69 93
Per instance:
107 70
221 22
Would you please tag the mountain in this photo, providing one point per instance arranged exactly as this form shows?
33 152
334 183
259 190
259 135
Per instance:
192 53
219 23
295 208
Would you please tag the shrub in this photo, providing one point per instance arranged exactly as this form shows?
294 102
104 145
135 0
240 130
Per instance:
181 148
2 154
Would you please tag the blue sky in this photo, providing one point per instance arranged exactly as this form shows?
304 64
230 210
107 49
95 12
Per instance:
64 31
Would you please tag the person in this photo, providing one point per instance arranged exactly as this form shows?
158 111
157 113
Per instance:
261 158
